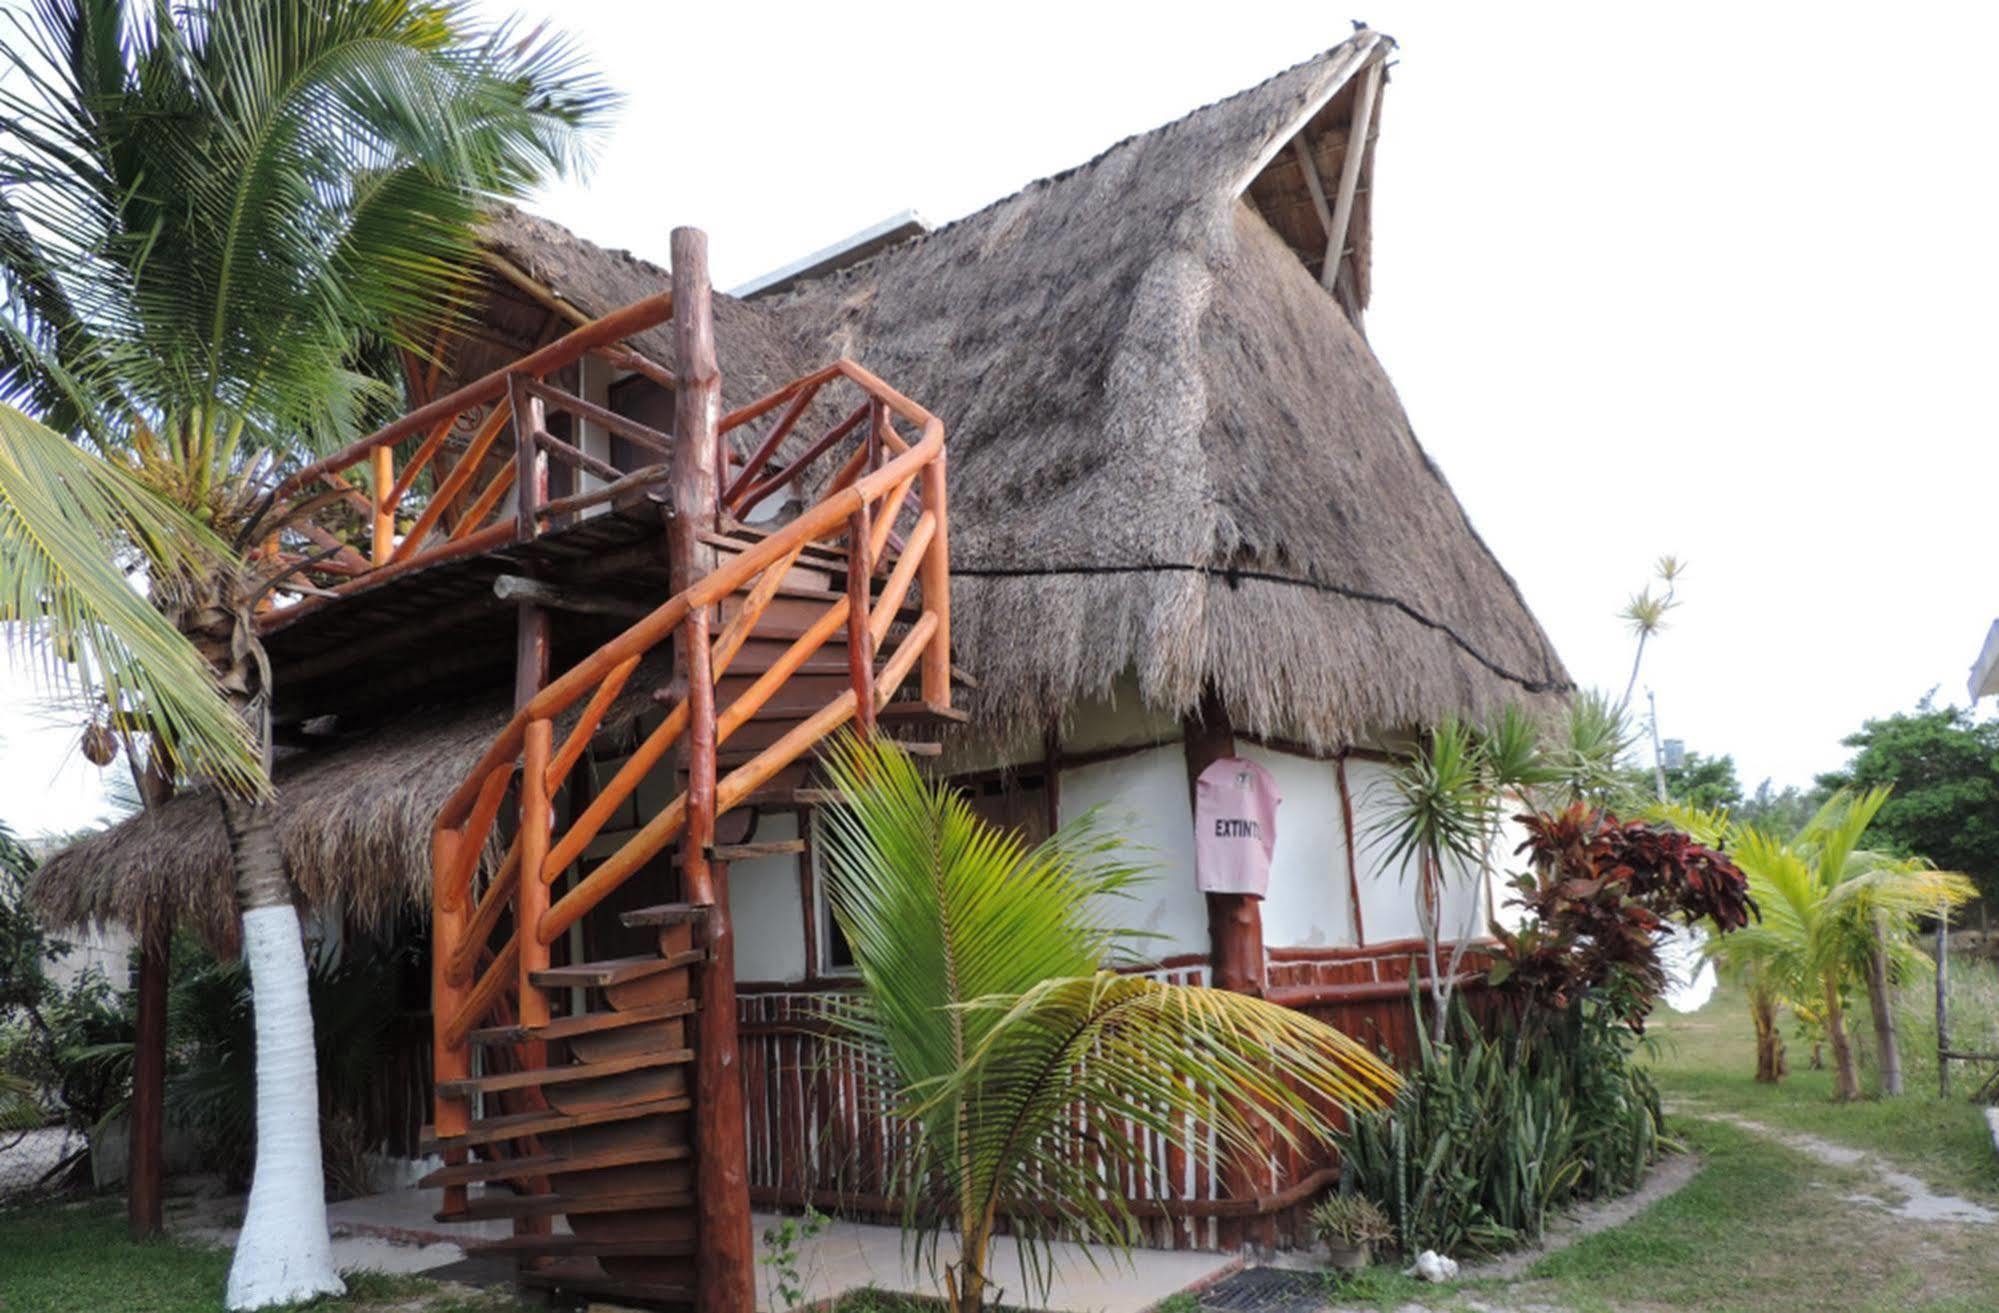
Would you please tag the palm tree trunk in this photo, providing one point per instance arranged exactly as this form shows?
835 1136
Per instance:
1880 1001
1769 1038
284 1254
1845 1080
968 1284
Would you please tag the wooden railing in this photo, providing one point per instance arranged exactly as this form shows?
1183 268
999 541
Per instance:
493 930
477 476
358 517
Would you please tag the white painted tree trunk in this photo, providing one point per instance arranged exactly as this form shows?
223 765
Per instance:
283 1255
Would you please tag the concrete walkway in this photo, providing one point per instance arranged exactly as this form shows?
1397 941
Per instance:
397 1232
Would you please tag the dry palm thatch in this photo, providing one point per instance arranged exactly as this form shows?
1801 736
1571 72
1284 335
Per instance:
1173 453
354 822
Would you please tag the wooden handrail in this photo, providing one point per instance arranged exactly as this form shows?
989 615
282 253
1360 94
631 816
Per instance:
494 931
819 521
559 354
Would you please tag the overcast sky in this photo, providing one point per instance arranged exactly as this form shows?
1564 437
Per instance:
1711 280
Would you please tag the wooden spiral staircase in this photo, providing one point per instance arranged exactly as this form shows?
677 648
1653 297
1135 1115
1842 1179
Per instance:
608 1093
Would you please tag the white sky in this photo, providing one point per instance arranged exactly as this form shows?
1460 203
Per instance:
1716 280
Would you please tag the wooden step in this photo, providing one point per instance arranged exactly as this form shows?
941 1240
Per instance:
570 1245
664 914
727 759
743 852
545 1164
500 1203
733 539
513 1126
563 1075
589 1023
923 713
613 971
585 1277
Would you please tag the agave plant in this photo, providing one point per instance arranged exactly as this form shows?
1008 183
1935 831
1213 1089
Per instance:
1030 1068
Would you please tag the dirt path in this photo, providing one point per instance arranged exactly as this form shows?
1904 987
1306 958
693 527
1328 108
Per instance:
1905 1196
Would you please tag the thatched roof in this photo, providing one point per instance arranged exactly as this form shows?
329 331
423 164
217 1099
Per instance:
1172 452
759 351
354 821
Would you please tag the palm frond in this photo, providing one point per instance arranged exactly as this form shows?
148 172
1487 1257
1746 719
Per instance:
1032 1074
67 519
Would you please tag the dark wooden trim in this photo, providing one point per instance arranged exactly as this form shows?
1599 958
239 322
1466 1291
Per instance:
1367 991
146 1145
1051 774
1353 858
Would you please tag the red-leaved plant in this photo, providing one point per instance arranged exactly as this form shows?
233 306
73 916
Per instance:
1600 891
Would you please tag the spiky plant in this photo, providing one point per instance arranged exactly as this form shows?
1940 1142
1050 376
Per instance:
1031 1070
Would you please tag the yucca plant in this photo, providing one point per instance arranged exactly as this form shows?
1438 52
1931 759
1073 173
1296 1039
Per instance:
1030 1069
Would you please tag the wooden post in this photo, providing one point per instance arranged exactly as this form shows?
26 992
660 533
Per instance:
1235 948
530 461
530 891
450 1116
935 581
860 641
1943 995
1361 122
531 668
146 1184
726 1272
383 543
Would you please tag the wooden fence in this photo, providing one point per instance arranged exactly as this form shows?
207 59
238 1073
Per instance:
819 1130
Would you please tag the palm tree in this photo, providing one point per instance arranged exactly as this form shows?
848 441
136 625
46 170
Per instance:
212 217
1447 803
1834 914
1029 1068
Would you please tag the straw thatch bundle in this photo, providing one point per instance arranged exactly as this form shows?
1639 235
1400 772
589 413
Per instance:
1172 452
759 351
354 822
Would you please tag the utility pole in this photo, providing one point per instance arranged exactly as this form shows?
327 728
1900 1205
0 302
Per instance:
1658 754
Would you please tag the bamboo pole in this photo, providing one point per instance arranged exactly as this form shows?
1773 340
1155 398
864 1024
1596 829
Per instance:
382 525
531 896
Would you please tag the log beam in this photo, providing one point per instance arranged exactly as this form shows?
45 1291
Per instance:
1235 938
1363 121
726 1273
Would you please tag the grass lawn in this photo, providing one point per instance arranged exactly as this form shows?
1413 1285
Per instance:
1762 1227
77 1259
1707 1061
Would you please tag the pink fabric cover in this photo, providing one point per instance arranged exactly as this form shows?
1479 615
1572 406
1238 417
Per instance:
1235 827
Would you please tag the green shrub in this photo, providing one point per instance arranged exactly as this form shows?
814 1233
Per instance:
1493 1131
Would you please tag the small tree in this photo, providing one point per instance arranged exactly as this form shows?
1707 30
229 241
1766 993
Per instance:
1019 1056
1835 916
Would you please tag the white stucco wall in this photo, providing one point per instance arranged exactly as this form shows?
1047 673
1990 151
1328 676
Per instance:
1388 896
1144 796
1310 903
